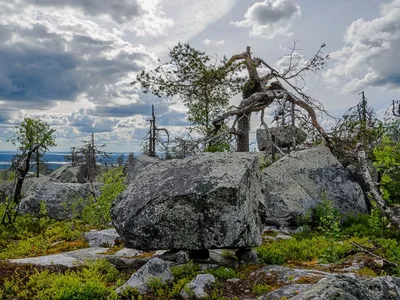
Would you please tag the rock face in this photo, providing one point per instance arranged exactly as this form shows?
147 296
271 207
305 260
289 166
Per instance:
7 186
140 162
205 201
292 185
283 137
68 174
63 200
155 267
350 287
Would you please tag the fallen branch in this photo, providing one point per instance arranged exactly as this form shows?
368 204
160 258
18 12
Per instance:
362 249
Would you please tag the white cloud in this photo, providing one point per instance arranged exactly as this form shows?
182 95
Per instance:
213 42
370 55
270 18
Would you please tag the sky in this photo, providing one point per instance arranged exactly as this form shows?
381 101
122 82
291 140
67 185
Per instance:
70 62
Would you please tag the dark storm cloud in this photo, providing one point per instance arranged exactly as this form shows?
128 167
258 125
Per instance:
127 110
119 10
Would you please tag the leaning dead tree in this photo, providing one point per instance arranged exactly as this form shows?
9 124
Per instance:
260 92
22 168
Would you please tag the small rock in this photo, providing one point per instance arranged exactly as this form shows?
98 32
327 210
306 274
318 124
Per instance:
68 259
283 237
126 252
286 292
197 286
233 280
98 238
155 267
180 257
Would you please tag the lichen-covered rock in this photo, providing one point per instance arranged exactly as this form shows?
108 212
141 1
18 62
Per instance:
197 286
283 137
301 181
352 288
69 174
7 186
63 200
101 238
205 201
154 268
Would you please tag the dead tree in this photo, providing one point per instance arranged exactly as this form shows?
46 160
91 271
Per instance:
260 92
22 168
153 139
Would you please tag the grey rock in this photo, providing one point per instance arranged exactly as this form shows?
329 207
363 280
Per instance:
68 259
283 137
216 257
127 252
295 184
283 237
204 201
155 267
68 174
197 286
286 275
287 291
7 186
338 287
180 257
140 162
233 280
101 238
63 200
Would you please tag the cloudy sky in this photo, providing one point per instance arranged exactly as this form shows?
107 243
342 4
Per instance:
70 62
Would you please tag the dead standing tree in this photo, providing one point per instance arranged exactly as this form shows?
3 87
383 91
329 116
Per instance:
153 138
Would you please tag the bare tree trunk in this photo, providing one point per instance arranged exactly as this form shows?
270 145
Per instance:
37 162
243 139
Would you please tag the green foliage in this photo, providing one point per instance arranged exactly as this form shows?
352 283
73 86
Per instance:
222 273
35 235
204 86
261 289
328 219
306 249
155 283
186 271
98 214
387 161
96 280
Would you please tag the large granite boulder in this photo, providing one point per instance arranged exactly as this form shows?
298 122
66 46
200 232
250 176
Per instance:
7 186
282 136
205 201
140 162
69 174
301 181
63 200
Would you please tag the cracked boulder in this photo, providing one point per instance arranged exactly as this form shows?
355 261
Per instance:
204 201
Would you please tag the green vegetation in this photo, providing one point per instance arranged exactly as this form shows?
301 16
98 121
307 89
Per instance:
98 214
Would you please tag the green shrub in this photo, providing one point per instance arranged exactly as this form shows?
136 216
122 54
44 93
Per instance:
261 289
98 214
91 282
186 271
306 249
222 273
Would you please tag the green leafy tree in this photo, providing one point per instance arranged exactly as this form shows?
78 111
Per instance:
202 82
33 132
